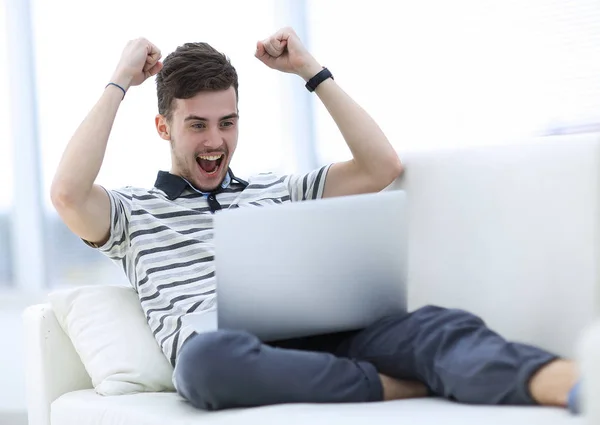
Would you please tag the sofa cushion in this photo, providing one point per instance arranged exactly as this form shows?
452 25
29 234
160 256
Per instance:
87 408
109 332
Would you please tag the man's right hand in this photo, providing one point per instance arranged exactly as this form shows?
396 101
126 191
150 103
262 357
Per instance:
139 61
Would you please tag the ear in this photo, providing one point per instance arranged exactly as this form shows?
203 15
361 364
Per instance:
162 127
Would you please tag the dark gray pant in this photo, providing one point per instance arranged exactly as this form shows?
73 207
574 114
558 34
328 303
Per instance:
451 351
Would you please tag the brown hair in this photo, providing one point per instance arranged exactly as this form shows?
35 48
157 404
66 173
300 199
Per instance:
190 69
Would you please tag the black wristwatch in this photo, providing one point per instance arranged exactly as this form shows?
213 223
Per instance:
321 76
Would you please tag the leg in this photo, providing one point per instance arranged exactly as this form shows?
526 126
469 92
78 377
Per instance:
393 389
227 369
453 353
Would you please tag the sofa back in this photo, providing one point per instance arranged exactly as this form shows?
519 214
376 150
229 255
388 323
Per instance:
511 233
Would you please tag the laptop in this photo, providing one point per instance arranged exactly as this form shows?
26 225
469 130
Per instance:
308 268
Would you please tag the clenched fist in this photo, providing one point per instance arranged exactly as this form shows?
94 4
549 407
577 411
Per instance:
140 60
285 52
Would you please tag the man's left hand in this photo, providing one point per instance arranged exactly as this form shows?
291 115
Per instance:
285 52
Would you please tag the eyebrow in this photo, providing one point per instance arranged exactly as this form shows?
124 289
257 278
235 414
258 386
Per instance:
197 118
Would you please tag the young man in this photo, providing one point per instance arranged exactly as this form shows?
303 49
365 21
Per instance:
162 237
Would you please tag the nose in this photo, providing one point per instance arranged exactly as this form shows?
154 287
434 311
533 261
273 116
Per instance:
213 138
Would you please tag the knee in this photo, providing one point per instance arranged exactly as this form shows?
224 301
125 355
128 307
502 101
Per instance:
463 318
208 364
453 316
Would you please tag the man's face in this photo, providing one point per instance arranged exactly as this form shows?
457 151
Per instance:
203 133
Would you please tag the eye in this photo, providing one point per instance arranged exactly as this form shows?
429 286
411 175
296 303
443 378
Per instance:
199 125
227 124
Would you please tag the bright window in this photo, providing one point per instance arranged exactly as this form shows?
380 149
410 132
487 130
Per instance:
6 194
444 74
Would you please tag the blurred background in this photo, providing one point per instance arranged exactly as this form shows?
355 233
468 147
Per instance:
435 74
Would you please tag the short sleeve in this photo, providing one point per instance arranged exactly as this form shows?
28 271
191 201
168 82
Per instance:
307 186
120 213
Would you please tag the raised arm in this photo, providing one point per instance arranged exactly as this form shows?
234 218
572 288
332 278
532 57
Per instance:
83 205
375 164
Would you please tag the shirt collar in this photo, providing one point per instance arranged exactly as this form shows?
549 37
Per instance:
174 185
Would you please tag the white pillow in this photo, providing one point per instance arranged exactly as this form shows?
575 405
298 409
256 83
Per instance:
109 331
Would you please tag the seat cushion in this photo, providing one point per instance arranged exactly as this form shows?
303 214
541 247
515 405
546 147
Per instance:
88 408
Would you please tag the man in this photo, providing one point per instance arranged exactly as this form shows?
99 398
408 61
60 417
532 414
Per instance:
162 238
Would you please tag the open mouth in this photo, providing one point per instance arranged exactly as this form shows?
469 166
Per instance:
210 165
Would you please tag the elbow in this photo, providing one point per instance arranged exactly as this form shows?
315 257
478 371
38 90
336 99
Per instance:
396 168
382 173
386 174
58 196
62 198
392 171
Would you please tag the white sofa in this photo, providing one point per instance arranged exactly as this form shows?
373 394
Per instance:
510 233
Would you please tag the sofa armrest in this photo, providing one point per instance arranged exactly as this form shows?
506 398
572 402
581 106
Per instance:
52 366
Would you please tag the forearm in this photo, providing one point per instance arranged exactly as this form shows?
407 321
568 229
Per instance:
370 147
83 156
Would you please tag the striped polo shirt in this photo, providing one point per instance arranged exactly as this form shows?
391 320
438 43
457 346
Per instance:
162 238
